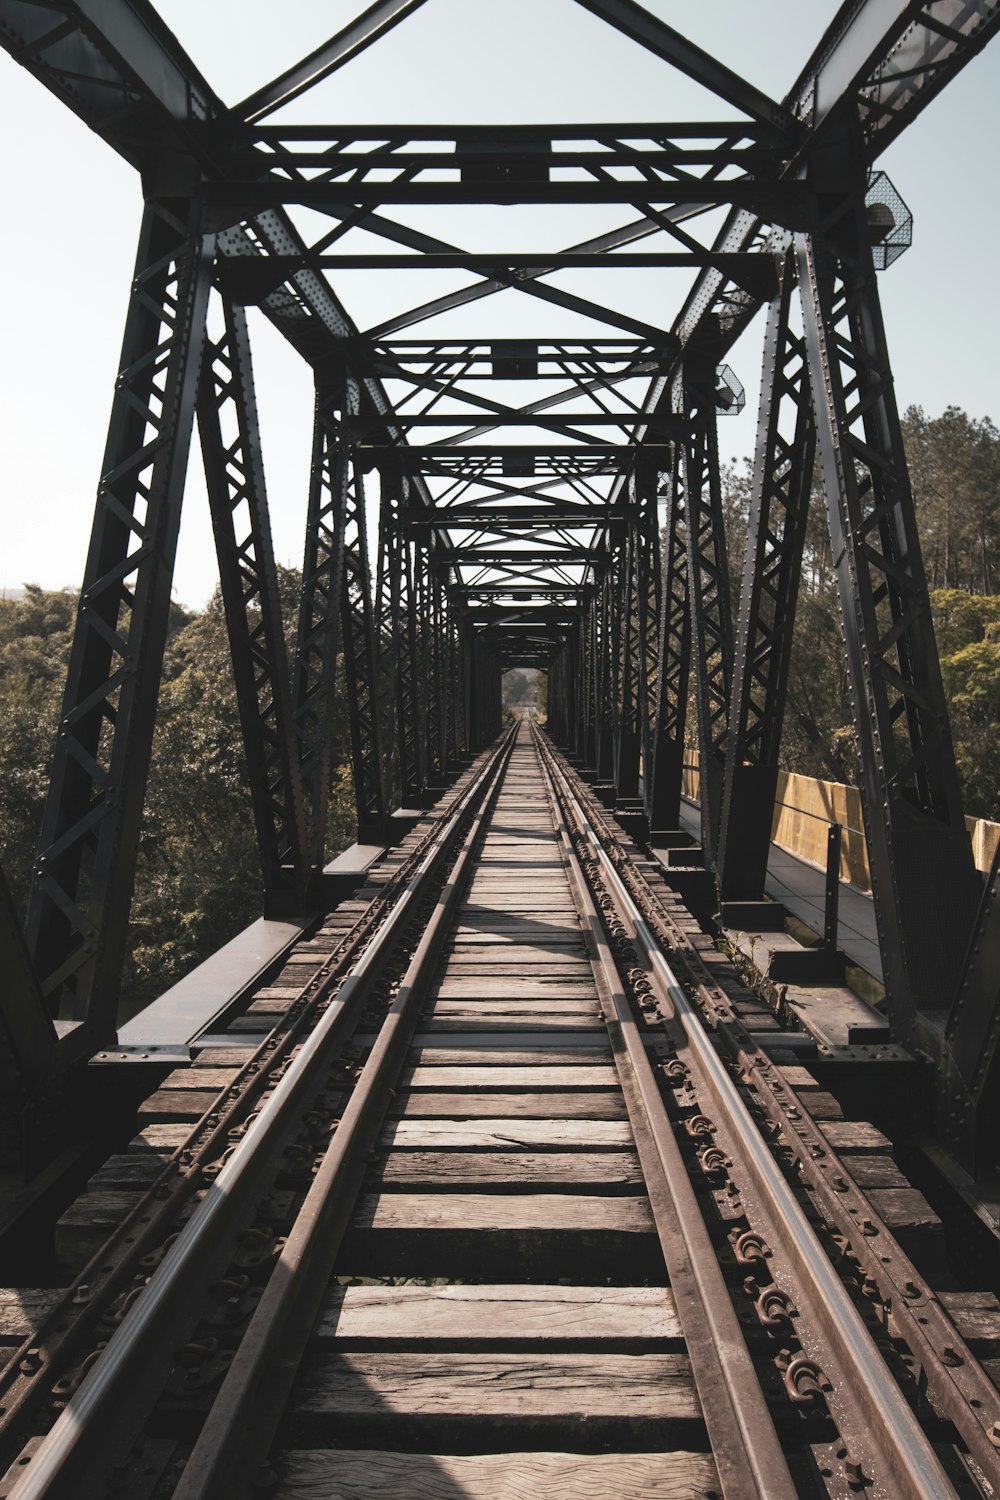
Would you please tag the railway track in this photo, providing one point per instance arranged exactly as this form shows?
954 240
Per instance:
511 1199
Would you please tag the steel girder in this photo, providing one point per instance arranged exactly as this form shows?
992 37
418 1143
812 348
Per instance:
663 795
772 565
968 1113
82 892
364 676
318 640
234 471
923 879
708 595
27 1033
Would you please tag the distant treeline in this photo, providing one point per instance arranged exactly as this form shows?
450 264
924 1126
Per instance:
954 463
198 876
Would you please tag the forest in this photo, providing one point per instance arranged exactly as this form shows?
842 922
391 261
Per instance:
198 881
954 463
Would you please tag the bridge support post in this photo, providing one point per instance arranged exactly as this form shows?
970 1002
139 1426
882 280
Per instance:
708 592
772 566
923 880
234 473
674 663
78 915
319 623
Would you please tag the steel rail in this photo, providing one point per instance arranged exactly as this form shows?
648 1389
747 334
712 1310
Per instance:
104 1278
892 1430
96 1409
959 1387
745 1446
237 1434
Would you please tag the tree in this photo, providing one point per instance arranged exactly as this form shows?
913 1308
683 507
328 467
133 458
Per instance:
954 463
968 633
198 872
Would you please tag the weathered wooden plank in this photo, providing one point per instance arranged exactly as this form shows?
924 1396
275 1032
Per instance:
509 1135
516 1037
544 1055
163 1139
512 1008
877 1171
848 1136
87 1222
537 1026
491 1213
537 934
22 1310
269 1005
222 1057
377 1475
537 986
476 1171
133 1172
462 1315
540 1106
535 1389
462 966
200 1078
167 1105
434 1073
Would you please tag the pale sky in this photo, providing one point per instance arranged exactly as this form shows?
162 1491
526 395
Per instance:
73 210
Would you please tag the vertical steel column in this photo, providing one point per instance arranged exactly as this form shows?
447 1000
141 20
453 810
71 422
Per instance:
776 535
663 794
319 624
969 1087
432 614
587 713
27 1035
607 658
362 673
923 881
234 473
394 634
711 623
78 916
628 685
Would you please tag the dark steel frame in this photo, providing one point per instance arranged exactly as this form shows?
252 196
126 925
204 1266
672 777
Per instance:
490 552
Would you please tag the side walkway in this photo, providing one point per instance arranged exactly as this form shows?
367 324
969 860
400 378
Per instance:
800 887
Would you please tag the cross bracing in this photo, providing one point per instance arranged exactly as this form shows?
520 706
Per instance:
483 500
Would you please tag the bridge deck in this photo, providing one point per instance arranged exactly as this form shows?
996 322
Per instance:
513 1243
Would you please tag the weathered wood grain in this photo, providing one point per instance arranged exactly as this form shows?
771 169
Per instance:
544 1055
22 1310
167 1105
371 1475
205 1077
163 1139
848 1136
492 1076
406 1213
506 1135
541 1106
540 1315
535 1389
473 1171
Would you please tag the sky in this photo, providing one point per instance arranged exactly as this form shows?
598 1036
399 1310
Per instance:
73 210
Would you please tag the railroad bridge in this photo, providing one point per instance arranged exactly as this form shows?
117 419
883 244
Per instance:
493 1159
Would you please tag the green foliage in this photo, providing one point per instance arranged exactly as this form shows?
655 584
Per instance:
968 632
198 873
954 463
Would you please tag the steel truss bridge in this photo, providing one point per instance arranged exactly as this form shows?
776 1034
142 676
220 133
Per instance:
454 531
